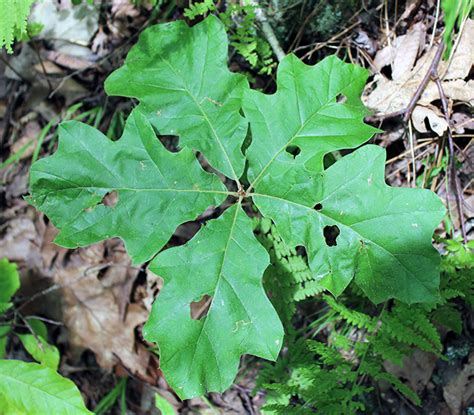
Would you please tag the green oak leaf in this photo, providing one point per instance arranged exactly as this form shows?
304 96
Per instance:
225 261
180 76
384 239
30 388
157 190
316 110
9 283
181 79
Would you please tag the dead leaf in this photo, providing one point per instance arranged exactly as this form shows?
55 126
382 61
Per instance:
460 391
436 120
394 95
96 309
48 68
68 61
459 66
384 57
406 50
417 369
69 29
122 8
461 121
26 142
20 243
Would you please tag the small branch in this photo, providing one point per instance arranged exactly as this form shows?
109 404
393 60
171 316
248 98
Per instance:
424 82
452 161
268 31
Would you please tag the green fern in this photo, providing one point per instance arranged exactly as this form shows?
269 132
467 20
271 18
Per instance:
240 24
288 279
353 317
335 375
13 21
199 9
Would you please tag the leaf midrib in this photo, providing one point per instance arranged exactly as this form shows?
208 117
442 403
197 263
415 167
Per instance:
198 105
129 189
203 328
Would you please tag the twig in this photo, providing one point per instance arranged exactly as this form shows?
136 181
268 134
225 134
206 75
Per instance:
452 161
268 31
319 45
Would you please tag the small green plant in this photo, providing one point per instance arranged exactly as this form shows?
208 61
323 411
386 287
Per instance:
353 227
455 11
336 373
240 23
13 21
31 388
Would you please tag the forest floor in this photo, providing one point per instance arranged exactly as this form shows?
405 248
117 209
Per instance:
92 299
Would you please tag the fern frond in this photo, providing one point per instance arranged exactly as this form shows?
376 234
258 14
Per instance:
13 20
353 317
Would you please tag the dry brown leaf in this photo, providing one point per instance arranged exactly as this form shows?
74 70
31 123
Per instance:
94 307
406 50
383 57
464 53
417 369
394 95
68 61
48 68
461 121
20 243
27 141
437 122
460 391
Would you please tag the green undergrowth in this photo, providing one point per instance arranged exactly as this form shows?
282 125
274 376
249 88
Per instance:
335 350
242 28
27 387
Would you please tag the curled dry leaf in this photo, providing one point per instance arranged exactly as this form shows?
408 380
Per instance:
437 122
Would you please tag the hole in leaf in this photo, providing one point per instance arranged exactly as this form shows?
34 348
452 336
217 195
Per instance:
318 206
330 234
293 150
301 251
341 98
199 309
110 199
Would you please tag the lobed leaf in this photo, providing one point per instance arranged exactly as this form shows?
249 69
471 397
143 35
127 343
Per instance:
185 88
225 261
316 110
157 190
383 234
